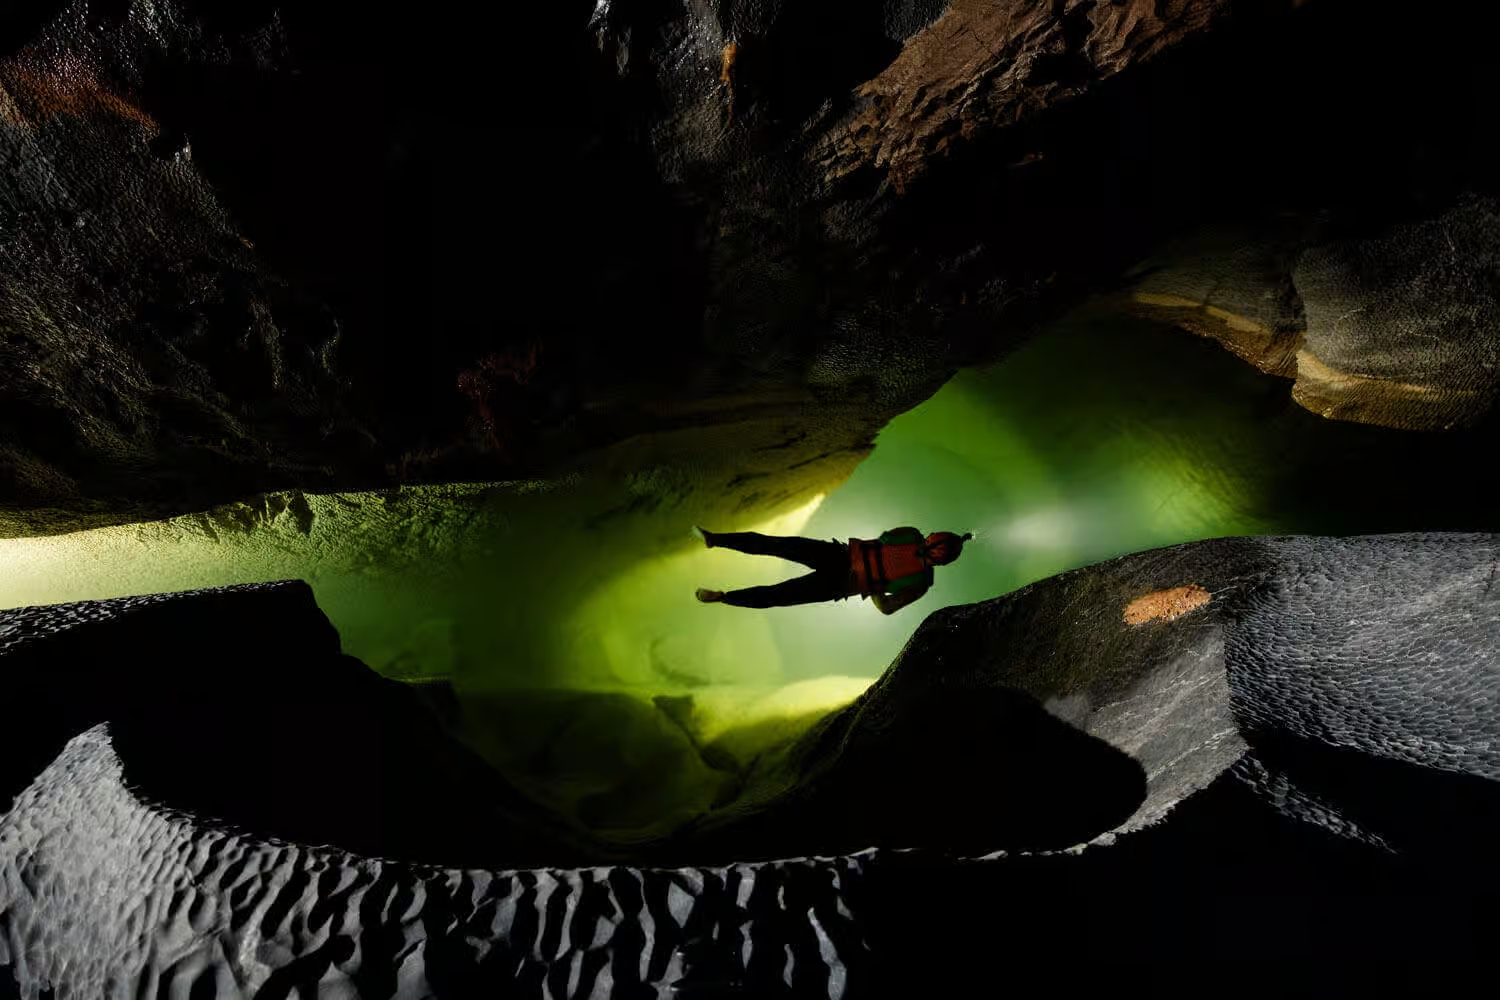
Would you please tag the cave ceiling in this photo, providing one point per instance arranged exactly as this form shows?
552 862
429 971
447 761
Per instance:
252 249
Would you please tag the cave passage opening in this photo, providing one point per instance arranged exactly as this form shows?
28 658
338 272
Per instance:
584 669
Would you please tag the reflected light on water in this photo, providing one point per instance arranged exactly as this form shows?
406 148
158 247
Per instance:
1046 528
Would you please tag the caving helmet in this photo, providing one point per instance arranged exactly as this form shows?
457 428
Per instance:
942 547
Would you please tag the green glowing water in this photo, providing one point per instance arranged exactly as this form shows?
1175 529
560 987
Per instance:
1092 443
1102 438
1107 437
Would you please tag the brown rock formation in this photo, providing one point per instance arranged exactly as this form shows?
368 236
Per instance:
985 65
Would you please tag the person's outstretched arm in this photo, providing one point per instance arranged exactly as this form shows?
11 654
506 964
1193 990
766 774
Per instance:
889 604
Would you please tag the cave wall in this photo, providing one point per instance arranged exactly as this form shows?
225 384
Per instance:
234 270
255 250
1392 328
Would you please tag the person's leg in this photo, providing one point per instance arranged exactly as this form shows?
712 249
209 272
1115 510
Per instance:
814 588
809 552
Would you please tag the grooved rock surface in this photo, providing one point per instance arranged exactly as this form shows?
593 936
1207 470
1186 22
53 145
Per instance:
986 64
1401 328
104 896
1323 729
1367 638
1395 328
1337 665
1368 682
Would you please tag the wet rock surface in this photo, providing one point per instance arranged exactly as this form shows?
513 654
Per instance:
1322 729
1390 328
150 358
1400 326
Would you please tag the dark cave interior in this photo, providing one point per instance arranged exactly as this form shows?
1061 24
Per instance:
427 338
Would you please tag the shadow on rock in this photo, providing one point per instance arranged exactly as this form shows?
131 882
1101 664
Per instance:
1443 817
236 706
963 772
613 763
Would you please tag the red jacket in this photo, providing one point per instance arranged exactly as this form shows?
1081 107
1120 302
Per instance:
876 565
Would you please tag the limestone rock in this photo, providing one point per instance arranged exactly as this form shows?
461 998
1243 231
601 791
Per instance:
1234 287
1402 327
1307 652
987 64
1394 327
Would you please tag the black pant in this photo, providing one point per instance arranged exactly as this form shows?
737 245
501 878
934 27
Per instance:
828 581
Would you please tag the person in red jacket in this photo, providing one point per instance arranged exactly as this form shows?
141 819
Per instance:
892 570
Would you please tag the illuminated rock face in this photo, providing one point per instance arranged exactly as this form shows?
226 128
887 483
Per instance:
214 831
1394 328
1311 667
1308 650
1323 727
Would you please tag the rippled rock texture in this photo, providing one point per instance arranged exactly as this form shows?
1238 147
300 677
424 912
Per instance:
1297 667
1394 328
250 818
172 905
1319 733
